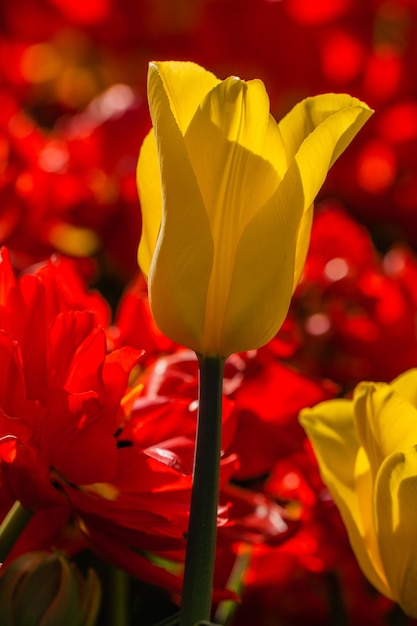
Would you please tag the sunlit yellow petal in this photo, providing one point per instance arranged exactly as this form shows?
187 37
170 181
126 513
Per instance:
303 241
225 141
185 84
236 151
273 247
406 385
330 428
396 496
240 111
364 488
264 263
337 120
149 186
315 132
385 421
182 261
309 114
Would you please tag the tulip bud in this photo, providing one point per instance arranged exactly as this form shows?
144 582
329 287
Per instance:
45 589
227 200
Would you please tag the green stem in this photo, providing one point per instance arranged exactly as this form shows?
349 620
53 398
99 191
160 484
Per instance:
118 598
11 527
226 609
201 544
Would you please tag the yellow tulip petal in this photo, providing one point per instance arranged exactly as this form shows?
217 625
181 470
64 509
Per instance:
224 141
330 428
385 421
396 497
364 488
237 152
273 246
149 186
264 263
329 122
181 265
185 84
315 133
240 111
303 242
406 385
349 114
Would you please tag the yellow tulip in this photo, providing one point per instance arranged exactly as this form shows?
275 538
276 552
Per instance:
367 453
226 196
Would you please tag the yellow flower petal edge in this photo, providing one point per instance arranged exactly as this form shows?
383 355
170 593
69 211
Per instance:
272 248
181 264
380 435
149 183
316 132
396 495
406 385
185 84
330 428
226 248
237 156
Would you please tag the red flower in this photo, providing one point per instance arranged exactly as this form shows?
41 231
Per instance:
62 418
134 325
73 189
267 400
354 310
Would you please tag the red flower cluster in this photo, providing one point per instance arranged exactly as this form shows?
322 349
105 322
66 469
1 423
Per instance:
73 437
73 190
353 314
63 410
